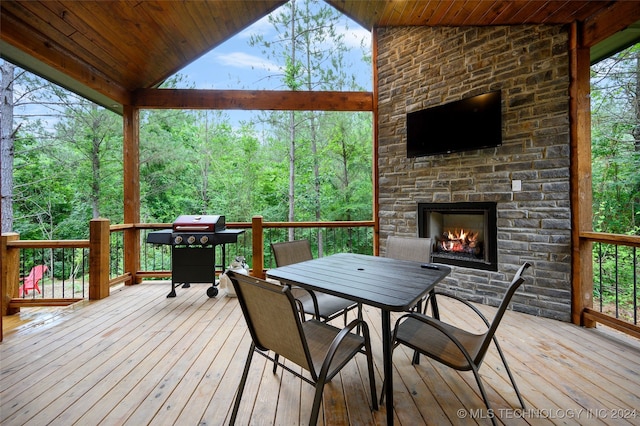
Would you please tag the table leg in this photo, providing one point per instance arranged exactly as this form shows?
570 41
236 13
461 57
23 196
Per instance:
387 363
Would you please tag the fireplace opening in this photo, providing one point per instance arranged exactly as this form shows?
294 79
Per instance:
462 234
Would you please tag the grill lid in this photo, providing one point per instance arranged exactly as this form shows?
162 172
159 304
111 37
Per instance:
199 223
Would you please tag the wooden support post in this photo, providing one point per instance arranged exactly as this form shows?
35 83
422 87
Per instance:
580 171
376 146
258 247
9 272
99 246
131 160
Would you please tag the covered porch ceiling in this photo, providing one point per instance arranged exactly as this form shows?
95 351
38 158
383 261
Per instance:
108 50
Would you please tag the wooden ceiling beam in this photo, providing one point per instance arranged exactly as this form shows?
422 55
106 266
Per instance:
252 100
47 52
616 17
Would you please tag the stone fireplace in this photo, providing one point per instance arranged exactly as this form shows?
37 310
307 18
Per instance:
526 178
463 234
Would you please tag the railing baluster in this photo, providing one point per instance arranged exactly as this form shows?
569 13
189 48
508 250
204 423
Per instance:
635 287
42 262
616 284
600 280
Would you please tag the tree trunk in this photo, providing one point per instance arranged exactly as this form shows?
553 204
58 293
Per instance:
6 145
292 130
636 128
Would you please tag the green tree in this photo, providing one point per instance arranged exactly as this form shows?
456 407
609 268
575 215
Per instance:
312 57
615 90
93 139
615 138
168 178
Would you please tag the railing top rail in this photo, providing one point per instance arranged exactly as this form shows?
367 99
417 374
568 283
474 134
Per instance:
321 224
617 239
48 243
331 224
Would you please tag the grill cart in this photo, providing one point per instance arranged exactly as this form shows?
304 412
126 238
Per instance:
193 240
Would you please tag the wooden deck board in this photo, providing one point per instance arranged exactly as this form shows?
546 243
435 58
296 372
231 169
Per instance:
137 357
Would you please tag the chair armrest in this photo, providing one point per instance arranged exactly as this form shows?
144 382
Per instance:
296 290
340 338
303 317
459 299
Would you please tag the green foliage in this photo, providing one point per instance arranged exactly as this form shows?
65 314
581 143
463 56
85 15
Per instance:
615 138
69 169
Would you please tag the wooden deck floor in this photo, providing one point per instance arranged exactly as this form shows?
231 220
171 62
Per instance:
139 358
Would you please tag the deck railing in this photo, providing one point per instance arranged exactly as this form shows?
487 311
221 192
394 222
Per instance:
615 281
51 272
101 261
253 244
72 270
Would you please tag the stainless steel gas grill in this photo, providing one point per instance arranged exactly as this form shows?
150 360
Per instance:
193 241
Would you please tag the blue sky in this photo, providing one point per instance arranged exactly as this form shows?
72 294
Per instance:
236 65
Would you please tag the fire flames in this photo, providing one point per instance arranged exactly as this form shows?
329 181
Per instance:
460 241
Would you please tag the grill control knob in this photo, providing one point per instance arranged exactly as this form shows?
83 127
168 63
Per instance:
178 239
191 239
204 239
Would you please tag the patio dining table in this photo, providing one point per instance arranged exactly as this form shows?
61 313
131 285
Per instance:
389 284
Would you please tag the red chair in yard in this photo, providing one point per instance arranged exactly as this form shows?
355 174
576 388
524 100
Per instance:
30 282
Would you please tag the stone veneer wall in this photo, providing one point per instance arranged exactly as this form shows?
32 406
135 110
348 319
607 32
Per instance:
419 67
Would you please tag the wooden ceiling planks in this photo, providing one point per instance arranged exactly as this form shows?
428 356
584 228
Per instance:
466 12
475 15
138 43
393 12
118 46
49 41
443 13
177 43
558 12
103 45
425 9
527 10
364 13
496 13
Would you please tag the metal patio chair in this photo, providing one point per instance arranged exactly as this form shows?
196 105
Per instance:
409 248
324 306
453 346
276 324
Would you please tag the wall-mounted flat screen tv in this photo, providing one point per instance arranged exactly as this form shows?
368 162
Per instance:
467 124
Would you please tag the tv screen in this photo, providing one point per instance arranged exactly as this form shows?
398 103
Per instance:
467 124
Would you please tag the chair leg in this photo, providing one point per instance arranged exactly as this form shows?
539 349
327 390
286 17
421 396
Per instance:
484 394
317 399
275 362
243 381
506 366
372 380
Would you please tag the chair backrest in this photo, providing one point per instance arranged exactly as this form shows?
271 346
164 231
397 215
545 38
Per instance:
273 320
515 284
409 248
36 274
289 252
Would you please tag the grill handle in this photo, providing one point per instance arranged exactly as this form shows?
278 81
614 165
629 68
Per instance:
191 228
